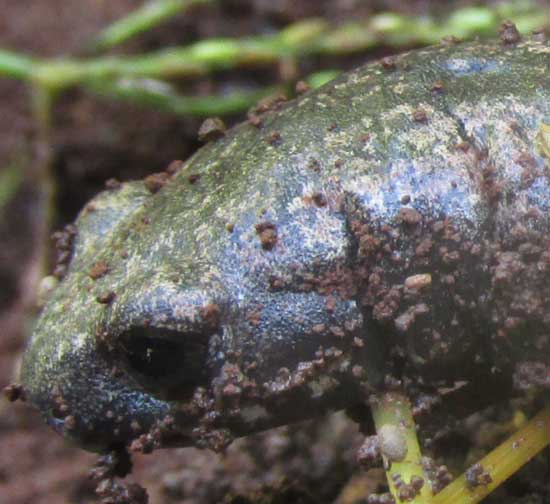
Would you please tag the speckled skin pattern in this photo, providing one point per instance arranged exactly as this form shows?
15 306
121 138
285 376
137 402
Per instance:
401 212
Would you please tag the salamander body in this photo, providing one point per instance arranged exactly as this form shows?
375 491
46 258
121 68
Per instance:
393 222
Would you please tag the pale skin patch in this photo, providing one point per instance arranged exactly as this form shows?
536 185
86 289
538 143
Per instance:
400 88
339 139
327 231
440 129
504 143
543 140
538 49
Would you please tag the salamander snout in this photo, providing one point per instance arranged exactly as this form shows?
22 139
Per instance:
84 397
104 376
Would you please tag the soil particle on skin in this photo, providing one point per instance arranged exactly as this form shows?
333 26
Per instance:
99 269
106 298
509 33
268 104
410 216
254 317
384 310
193 178
274 139
212 129
255 120
369 455
319 199
314 165
302 87
424 247
113 184
14 392
156 181
142 444
267 232
491 187
389 63
420 116
438 87
406 320
417 282
154 438
211 314
174 167
63 240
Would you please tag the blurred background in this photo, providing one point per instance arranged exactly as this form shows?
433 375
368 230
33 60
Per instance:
67 126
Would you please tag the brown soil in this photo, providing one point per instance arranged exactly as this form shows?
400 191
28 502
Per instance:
93 141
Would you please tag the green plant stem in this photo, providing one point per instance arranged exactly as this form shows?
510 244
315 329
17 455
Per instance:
319 79
312 36
15 65
394 410
162 96
142 19
41 170
206 56
502 462
127 77
10 181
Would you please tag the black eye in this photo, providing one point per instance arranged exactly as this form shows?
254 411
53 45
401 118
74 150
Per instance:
168 363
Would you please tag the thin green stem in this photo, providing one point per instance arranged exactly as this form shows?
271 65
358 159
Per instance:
501 463
319 79
42 102
10 181
16 66
209 55
312 36
395 426
142 19
40 173
162 96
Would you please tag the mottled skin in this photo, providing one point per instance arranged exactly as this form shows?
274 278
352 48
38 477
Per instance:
397 215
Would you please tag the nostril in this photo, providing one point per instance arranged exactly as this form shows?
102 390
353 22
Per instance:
166 362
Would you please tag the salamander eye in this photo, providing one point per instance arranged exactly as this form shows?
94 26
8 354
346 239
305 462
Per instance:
166 362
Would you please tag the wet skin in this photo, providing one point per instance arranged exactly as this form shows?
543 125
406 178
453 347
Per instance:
394 221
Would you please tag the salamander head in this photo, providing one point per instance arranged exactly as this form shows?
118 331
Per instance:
184 332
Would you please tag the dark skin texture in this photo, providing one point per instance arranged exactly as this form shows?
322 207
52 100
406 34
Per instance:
393 221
